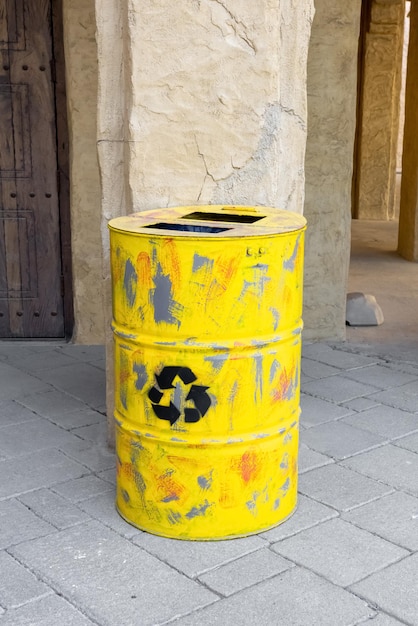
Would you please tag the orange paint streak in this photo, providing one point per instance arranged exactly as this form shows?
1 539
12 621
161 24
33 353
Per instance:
283 386
171 262
126 469
228 269
248 466
168 487
143 269
123 376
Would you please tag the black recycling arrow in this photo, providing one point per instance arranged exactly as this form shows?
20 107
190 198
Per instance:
191 416
197 394
169 413
167 375
155 395
201 399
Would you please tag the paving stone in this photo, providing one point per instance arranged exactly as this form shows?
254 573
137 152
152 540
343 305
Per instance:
385 421
339 551
381 377
10 349
17 384
296 597
389 464
383 620
409 443
339 440
340 488
337 389
52 402
309 459
316 411
109 579
75 419
245 572
405 397
394 589
32 471
97 456
394 517
83 488
109 475
13 413
196 557
82 380
41 360
49 611
308 513
337 358
94 432
18 524
53 508
85 353
361 404
315 369
18 585
103 509
40 434
400 366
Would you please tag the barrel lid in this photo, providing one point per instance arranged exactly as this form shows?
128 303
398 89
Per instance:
220 221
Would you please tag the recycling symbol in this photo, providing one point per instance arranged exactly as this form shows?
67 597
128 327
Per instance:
196 394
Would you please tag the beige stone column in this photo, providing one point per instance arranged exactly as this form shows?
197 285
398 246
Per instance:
218 110
379 111
81 87
332 89
201 102
408 218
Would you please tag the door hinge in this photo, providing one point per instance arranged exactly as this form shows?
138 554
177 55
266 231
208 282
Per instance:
62 285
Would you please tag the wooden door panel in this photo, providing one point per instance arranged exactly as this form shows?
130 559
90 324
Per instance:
31 303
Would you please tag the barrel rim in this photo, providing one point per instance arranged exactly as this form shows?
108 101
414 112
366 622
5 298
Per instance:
273 221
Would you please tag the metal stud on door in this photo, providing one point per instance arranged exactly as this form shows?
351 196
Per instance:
207 324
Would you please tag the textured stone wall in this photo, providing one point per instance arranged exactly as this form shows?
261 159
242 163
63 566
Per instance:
332 91
85 196
378 133
218 108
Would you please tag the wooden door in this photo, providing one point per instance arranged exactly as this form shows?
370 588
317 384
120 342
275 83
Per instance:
31 298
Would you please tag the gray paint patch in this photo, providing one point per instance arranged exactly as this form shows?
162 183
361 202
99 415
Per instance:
289 264
201 261
196 511
142 377
130 281
162 298
205 482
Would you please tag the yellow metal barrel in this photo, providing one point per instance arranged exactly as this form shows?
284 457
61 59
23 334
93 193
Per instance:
207 327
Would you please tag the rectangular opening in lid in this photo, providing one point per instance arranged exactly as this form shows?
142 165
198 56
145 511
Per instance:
191 228
223 217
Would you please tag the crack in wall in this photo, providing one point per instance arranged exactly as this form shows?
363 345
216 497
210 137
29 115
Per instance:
239 29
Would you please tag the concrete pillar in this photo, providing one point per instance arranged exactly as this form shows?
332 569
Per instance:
379 111
408 218
213 95
332 88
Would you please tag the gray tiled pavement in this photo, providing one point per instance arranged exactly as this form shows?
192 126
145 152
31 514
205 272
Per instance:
348 555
